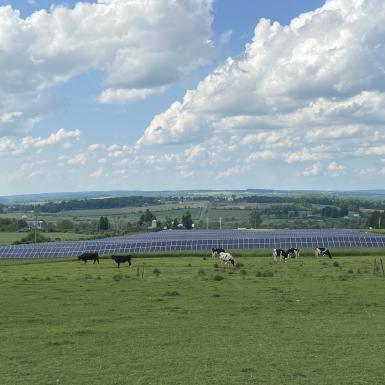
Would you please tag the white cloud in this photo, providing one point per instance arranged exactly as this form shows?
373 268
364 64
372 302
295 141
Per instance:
267 154
97 173
308 91
79 160
336 169
123 96
140 46
313 170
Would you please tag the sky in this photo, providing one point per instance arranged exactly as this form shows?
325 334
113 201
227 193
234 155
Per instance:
192 94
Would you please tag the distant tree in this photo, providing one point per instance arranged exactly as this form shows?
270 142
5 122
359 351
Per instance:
376 220
65 225
255 219
168 222
103 224
187 220
146 218
175 223
344 212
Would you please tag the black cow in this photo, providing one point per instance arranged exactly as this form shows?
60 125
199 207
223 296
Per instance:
322 251
216 251
121 259
89 257
282 254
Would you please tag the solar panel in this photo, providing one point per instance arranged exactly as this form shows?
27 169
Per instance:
198 240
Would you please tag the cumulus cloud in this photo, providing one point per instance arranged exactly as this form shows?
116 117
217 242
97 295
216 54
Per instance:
78 160
16 146
313 170
309 91
140 46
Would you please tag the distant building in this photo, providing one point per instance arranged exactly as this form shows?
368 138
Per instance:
39 225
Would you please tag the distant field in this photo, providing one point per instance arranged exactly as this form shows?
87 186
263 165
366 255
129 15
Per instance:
309 321
8 238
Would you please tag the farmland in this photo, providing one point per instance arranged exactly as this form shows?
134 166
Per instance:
187 320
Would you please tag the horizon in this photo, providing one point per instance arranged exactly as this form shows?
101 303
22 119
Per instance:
118 95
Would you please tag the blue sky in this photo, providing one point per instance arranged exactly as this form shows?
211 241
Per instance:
197 94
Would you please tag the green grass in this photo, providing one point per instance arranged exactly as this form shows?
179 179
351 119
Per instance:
7 238
302 322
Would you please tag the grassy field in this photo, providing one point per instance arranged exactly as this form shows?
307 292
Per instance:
7 238
308 321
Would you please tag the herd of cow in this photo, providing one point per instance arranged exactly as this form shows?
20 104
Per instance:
224 257
281 254
95 257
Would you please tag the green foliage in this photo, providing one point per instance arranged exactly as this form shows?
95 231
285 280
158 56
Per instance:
33 237
103 224
65 225
187 220
376 220
255 219
12 224
146 218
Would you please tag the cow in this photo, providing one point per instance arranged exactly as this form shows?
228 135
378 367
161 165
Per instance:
215 251
121 259
293 252
322 251
89 257
282 254
226 258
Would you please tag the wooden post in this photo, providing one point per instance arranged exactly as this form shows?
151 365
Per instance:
382 267
142 270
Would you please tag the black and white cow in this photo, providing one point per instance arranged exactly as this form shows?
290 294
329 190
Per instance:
282 254
322 251
121 259
226 258
293 252
89 257
215 251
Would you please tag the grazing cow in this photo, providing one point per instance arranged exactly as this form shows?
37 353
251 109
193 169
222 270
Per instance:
89 257
226 258
121 259
215 251
293 252
322 251
282 254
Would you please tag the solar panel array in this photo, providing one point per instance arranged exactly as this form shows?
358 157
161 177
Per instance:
179 240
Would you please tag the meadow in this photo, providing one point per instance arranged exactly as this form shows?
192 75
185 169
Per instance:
181 318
